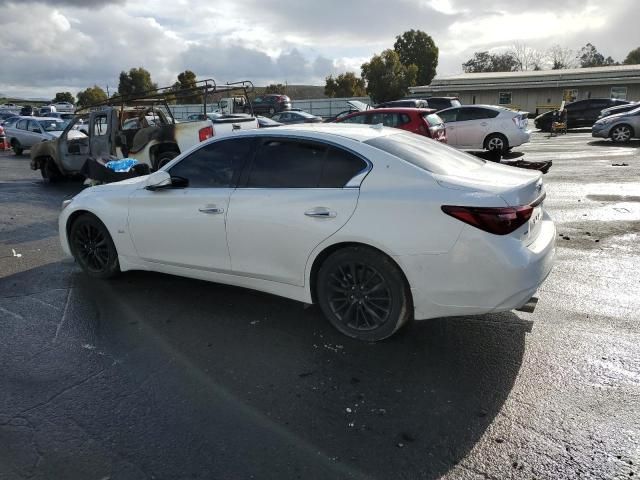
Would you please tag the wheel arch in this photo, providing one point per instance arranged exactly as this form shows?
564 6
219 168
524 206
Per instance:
155 151
497 134
323 254
623 124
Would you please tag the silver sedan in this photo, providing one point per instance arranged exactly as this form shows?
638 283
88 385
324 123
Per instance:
620 128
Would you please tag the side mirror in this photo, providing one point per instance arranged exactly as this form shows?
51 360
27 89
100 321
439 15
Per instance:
158 180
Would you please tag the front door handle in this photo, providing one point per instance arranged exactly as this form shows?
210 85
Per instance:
320 212
484 124
211 210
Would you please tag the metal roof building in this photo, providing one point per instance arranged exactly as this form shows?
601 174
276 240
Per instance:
537 91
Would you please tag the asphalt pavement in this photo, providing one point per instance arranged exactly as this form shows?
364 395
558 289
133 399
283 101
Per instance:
160 377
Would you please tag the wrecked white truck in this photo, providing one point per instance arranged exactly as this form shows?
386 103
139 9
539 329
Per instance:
139 127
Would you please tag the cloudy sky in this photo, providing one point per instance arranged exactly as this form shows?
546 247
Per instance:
58 45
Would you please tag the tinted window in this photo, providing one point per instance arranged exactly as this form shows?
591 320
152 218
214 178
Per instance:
355 119
287 164
216 165
339 167
426 154
449 115
476 114
34 126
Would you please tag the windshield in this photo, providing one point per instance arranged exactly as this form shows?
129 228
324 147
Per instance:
53 125
426 154
305 114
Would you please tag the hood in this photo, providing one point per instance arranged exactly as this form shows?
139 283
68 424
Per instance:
616 116
131 184
516 186
358 105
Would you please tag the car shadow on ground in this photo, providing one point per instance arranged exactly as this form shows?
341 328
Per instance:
409 407
609 143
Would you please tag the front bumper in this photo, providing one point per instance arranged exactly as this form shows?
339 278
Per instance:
482 273
600 131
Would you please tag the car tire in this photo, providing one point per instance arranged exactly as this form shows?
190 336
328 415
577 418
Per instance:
496 142
92 247
621 134
49 171
17 148
164 158
345 284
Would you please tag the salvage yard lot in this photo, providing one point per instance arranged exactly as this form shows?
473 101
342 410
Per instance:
152 376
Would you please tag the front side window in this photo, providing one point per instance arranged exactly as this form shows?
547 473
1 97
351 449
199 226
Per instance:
282 163
449 115
355 119
100 125
34 127
216 165
53 125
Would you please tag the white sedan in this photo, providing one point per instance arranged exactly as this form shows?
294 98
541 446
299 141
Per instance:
485 127
376 225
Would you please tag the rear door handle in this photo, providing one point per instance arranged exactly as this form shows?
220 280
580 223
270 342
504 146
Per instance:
211 210
321 212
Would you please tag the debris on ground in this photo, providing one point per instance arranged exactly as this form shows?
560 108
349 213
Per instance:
18 255
620 164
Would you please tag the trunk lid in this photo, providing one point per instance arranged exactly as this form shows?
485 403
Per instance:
516 186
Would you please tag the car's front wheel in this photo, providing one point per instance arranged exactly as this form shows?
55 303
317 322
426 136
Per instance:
17 148
621 134
93 248
363 293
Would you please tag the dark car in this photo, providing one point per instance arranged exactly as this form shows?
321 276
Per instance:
270 104
296 116
27 111
422 121
618 109
582 113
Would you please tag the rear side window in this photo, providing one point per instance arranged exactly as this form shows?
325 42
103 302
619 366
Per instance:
389 119
426 154
449 115
287 164
22 124
339 167
216 165
432 119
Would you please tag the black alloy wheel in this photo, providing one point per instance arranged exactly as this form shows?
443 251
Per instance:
93 248
363 293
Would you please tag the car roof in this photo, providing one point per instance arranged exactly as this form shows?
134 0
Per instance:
394 110
358 132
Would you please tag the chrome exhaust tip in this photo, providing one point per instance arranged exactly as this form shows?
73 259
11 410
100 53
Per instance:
530 306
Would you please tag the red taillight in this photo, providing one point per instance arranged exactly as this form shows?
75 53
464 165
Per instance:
499 220
204 133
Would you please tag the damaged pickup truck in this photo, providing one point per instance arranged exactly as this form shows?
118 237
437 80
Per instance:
141 127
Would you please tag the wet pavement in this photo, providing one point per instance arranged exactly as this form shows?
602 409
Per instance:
152 376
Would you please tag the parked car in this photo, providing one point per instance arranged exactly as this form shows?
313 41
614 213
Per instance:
485 127
582 113
266 122
405 102
376 225
30 131
3 139
354 106
269 104
621 127
11 121
440 103
6 115
417 120
28 110
297 116
64 107
618 109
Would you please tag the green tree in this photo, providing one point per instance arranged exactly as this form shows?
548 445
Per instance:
387 78
136 81
186 81
64 97
275 88
415 47
633 58
90 96
486 62
589 56
345 85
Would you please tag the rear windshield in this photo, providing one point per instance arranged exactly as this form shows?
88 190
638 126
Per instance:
455 103
426 154
432 119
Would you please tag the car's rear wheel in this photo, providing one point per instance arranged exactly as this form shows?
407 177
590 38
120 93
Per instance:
93 248
621 133
363 293
496 142
17 148
164 158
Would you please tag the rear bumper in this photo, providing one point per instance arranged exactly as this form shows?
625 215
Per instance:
482 273
519 137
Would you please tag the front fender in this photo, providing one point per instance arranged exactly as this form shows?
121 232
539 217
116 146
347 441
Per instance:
40 150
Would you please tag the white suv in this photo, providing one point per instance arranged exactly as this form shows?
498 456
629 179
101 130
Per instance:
485 127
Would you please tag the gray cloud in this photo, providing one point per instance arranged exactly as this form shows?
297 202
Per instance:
88 4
